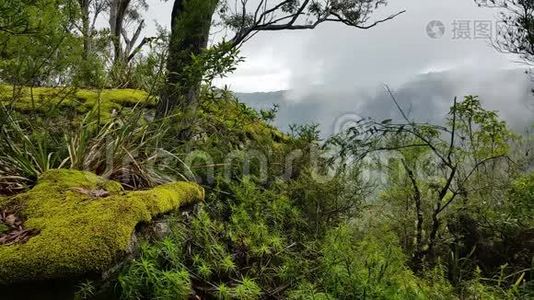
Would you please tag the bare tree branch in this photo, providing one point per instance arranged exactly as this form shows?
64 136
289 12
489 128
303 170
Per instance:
285 15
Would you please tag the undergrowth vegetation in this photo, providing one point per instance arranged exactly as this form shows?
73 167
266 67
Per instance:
383 210
279 221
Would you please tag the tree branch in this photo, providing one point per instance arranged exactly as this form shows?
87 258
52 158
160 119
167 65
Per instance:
260 22
140 46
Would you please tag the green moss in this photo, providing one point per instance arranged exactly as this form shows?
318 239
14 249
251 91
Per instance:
79 233
3 228
243 120
227 111
79 100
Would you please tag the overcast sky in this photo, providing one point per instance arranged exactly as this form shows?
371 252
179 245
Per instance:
338 56
335 60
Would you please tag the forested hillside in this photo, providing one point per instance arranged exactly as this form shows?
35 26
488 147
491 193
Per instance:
125 173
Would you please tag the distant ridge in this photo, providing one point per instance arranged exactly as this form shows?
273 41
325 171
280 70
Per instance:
427 98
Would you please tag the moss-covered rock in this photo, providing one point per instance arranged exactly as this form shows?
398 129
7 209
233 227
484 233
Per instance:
85 223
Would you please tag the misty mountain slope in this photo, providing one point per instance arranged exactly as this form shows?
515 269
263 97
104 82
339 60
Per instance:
426 98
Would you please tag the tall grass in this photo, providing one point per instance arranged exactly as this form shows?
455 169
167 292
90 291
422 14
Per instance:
24 153
126 148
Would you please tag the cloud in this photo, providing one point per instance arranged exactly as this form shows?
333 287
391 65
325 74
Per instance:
425 98
341 57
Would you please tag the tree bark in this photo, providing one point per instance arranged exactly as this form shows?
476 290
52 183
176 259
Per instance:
116 19
418 254
190 27
86 29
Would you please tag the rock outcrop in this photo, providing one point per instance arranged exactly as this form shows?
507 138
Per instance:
76 223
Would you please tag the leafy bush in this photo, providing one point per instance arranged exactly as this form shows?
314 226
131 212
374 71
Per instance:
364 264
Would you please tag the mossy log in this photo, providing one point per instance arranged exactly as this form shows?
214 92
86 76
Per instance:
85 224
45 99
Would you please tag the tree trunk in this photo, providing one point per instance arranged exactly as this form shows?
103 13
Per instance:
86 30
418 254
116 20
190 27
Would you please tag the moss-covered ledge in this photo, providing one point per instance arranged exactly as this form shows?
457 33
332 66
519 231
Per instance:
85 223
